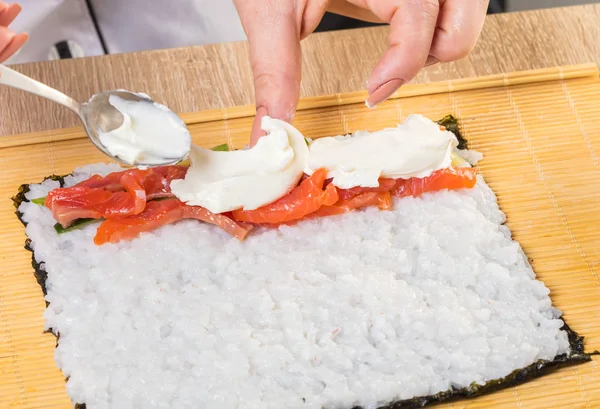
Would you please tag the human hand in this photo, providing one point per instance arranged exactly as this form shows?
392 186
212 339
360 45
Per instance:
10 42
422 32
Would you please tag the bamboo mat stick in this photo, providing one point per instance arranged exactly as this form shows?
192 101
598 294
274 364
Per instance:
538 132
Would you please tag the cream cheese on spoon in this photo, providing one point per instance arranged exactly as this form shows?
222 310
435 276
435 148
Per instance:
150 133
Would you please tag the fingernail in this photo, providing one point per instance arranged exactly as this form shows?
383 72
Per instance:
383 92
431 60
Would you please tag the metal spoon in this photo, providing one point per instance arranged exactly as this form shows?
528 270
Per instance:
96 114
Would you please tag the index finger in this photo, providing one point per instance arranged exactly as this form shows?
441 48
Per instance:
412 27
459 26
275 58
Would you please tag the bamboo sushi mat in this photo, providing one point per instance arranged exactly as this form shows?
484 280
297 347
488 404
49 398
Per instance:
539 132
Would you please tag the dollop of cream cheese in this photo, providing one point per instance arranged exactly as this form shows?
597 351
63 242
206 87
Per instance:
150 134
245 179
416 148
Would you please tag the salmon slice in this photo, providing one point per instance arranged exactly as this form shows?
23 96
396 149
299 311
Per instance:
155 215
112 181
81 202
304 199
160 213
451 179
224 221
383 200
360 197
116 195
123 200
109 182
156 181
158 185
172 171
385 185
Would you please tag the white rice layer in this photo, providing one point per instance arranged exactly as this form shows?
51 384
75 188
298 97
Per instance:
358 309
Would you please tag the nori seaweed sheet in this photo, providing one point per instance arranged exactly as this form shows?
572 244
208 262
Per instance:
451 123
518 376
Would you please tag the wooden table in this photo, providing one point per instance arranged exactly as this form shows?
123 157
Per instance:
208 77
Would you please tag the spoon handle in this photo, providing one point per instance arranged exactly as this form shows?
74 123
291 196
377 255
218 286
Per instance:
17 80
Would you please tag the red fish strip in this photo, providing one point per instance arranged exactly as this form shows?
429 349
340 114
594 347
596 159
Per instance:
123 199
385 185
80 202
304 199
160 213
156 182
451 179
383 200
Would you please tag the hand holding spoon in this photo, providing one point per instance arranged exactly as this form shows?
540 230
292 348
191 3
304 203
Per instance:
128 127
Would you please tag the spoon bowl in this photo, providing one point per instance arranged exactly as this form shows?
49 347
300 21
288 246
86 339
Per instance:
97 115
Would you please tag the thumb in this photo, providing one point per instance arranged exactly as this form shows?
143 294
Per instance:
275 58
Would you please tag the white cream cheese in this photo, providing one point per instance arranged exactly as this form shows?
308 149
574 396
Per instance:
150 133
416 148
245 179
470 156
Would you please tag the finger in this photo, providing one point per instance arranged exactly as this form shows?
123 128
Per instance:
412 26
309 17
358 11
9 13
6 36
459 27
275 57
17 42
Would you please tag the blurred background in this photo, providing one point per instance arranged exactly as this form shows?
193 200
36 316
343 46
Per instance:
63 29
333 22
518 5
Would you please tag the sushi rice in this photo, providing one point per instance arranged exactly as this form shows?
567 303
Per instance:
354 310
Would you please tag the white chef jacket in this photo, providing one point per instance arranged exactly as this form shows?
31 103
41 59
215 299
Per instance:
96 27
